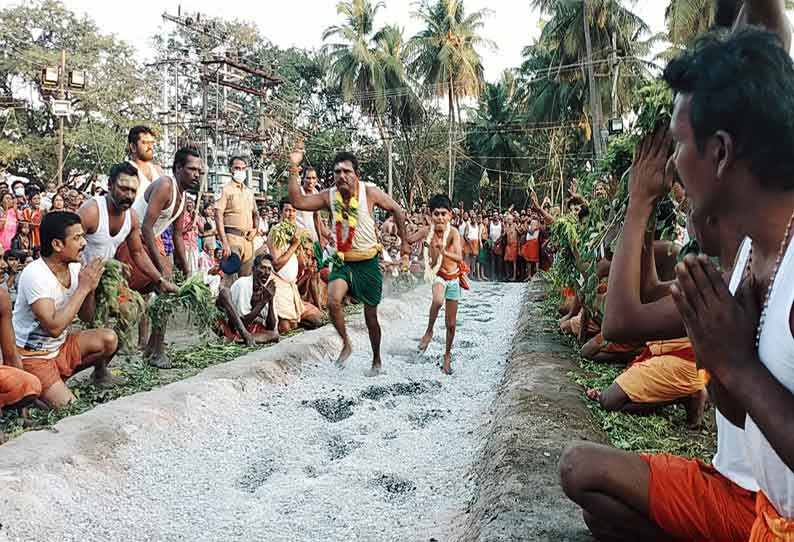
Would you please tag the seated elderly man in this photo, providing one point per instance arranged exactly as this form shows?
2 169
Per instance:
248 306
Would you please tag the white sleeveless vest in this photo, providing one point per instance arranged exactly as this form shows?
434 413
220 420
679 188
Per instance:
100 243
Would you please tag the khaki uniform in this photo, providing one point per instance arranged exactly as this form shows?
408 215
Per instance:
237 205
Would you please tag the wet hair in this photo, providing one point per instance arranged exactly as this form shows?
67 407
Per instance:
742 84
54 226
346 156
440 201
236 159
136 132
123 168
180 158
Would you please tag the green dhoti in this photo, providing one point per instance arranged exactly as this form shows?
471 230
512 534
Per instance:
364 279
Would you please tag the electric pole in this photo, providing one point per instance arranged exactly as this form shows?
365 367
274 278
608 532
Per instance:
61 96
595 100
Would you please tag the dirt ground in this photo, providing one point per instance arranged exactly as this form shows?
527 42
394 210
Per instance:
537 412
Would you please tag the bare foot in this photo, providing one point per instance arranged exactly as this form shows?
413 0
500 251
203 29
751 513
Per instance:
446 368
248 339
425 342
107 380
695 404
593 394
344 354
375 370
161 361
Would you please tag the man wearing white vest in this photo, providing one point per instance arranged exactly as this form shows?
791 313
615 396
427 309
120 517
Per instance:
109 221
140 146
356 265
735 178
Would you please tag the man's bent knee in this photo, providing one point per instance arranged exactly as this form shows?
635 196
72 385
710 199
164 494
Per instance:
110 341
574 464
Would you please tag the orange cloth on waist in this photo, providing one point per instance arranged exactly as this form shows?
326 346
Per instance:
16 384
61 367
511 252
690 500
461 273
769 526
664 372
530 250
138 280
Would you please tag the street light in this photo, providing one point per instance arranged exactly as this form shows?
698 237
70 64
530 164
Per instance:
615 126
77 79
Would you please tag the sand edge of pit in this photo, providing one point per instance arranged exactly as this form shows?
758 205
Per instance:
537 411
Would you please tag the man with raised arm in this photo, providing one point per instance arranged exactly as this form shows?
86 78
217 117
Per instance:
356 266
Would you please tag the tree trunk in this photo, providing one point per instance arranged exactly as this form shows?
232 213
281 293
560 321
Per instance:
451 129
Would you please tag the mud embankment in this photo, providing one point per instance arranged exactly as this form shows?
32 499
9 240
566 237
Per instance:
538 410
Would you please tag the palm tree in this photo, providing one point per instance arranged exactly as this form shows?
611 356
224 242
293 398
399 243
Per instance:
355 67
445 58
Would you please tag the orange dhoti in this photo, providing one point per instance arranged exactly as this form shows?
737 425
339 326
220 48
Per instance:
471 247
690 500
769 526
511 252
138 280
16 385
664 372
530 251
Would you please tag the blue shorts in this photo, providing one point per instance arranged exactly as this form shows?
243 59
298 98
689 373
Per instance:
452 289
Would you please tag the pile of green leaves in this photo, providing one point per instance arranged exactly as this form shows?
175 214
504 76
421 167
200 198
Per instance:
117 306
193 298
664 432
283 233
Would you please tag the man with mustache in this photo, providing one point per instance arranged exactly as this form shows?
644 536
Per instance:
140 146
53 290
162 205
108 222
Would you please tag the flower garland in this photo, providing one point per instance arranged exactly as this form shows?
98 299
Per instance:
347 214
431 272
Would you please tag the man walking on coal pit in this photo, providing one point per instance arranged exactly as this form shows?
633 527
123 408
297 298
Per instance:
356 265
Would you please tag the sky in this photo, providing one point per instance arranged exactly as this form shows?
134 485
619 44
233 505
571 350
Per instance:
511 25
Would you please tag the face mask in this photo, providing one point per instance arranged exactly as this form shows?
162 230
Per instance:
238 176
19 191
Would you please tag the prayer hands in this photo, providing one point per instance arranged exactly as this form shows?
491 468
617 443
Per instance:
90 274
722 327
648 181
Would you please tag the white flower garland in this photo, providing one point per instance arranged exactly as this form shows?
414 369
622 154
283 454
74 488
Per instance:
430 273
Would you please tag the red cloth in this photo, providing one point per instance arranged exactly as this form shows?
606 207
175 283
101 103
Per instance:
690 500
530 250
138 280
511 252
646 354
461 274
